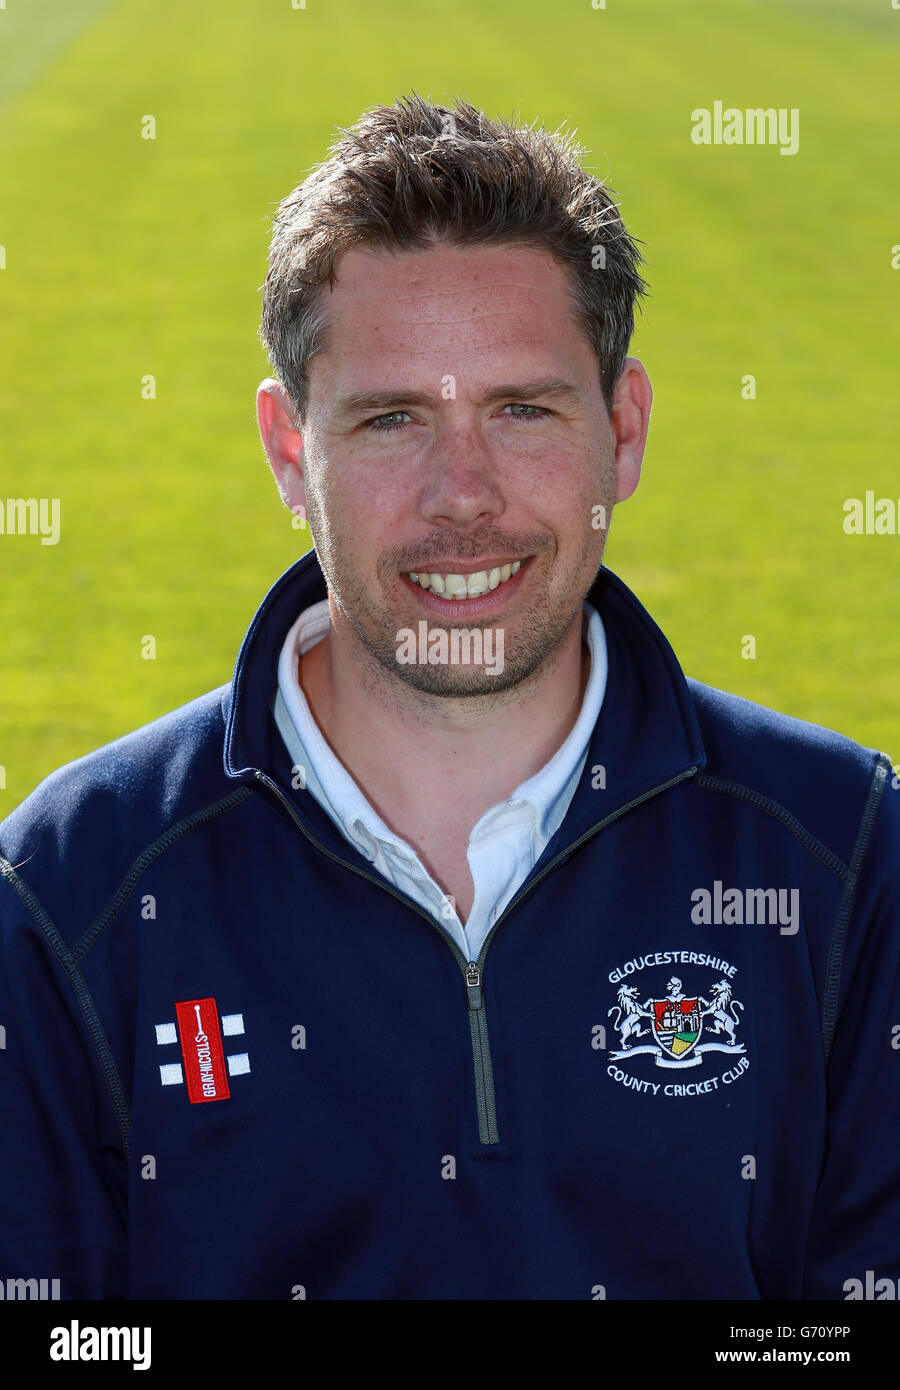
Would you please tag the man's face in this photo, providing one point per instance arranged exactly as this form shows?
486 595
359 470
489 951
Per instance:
459 465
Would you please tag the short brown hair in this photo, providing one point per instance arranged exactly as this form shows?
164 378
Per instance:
409 175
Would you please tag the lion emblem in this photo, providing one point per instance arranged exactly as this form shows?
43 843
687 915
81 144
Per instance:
629 1009
720 1008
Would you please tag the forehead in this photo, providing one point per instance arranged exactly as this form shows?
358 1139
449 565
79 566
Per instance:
446 307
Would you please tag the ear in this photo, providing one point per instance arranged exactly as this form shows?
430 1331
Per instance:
281 439
630 420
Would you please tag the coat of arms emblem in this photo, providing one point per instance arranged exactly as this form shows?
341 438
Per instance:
676 1023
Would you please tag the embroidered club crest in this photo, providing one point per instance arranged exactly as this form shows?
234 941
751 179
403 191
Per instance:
676 1024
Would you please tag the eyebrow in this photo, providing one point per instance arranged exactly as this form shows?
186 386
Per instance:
359 402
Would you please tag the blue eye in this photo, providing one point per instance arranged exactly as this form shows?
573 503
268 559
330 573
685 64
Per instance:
384 429
380 428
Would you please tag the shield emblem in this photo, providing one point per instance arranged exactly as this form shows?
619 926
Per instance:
676 1025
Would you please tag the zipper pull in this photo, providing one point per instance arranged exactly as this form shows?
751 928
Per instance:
473 984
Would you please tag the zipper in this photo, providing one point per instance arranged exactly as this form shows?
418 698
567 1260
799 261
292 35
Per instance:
473 971
481 1054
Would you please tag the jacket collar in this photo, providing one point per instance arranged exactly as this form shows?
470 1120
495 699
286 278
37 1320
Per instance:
647 733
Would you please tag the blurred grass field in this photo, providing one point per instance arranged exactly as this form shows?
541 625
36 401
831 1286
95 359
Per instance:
127 257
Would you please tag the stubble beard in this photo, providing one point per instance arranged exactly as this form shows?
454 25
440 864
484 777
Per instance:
539 630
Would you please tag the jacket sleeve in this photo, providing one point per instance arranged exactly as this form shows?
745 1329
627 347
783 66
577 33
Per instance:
854 1237
62 1171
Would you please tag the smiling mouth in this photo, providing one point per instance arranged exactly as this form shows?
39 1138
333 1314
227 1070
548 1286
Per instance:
456 587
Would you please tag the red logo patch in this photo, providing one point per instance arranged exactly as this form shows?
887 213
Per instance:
201 1048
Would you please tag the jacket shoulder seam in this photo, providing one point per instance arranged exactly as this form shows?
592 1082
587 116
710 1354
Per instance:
842 920
146 857
787 818
85 1000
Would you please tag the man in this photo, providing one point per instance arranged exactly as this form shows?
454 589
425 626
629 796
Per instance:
526 974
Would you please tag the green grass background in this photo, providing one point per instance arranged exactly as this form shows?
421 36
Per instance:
127 257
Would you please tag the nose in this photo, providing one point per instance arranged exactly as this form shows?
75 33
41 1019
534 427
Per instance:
460 485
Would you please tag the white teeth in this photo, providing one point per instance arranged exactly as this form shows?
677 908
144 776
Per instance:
461 586
477 583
